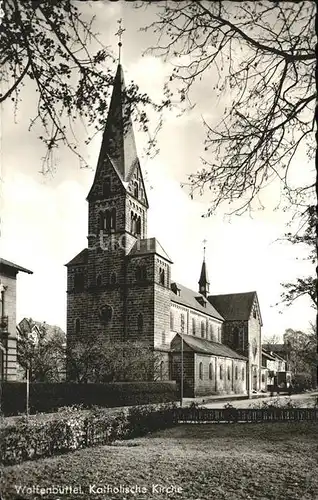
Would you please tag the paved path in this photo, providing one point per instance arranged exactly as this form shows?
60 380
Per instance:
306 399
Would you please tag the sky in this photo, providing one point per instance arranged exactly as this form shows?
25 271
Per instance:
44 218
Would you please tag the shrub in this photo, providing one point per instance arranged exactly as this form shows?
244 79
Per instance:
72 429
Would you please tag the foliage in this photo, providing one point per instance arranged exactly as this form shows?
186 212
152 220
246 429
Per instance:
306 236
96 360
73 429
302 351
41 349
262 56
50 397
46 46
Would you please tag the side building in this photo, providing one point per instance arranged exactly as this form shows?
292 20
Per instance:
8 335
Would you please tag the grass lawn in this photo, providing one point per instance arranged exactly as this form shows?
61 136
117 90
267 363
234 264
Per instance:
236 461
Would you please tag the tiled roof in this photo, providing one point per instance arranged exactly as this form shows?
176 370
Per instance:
148 246
188 298
80 258
282 348
51 330
7 263
207 347
234 306
267 355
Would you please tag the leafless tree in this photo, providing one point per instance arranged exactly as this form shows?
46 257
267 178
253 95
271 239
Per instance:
46 44
264 56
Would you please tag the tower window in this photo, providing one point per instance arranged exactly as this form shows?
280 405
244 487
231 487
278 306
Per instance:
171 321
202 329
162 276
193 326
108 219
254 313
210 371
77 326
113 278
113 219
138 273
106 187
182 323
138 225
98 280
101 221
143 273
136 189
140 323
201 371
79 281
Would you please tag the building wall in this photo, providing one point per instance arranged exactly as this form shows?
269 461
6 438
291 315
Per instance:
10 358
190 316
226 375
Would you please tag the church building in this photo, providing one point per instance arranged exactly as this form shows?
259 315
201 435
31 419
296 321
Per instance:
120 286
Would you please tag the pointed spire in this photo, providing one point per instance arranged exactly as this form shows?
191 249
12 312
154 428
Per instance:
204 283
118 140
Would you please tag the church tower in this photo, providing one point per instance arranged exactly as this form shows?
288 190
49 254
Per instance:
204 284
119 286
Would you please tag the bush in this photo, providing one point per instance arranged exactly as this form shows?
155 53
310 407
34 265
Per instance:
72 429
46 397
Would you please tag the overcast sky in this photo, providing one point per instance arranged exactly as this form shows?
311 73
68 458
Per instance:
44 219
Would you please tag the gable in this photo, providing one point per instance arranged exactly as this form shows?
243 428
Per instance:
105 170
136 180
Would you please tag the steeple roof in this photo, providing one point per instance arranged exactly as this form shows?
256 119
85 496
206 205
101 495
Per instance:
204 279
118 144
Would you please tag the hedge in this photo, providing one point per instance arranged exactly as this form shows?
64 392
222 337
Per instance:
71 429
48 397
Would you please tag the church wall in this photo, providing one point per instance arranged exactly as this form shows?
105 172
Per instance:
140 300
189 315
161 305
235 335
225 384
188 371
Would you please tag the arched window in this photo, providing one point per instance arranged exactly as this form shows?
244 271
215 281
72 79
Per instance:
143 273
221 372
210 371
211 332
163 337
182 323
138 273
162 276
79 282
201 371
113 219
202 329
108 220
193 326
106 187
113 278
101 223
138 225
263 378
228 373
162 367
77 325
171 321
136 189
99 280
140 323
236 373
243 373
132 222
